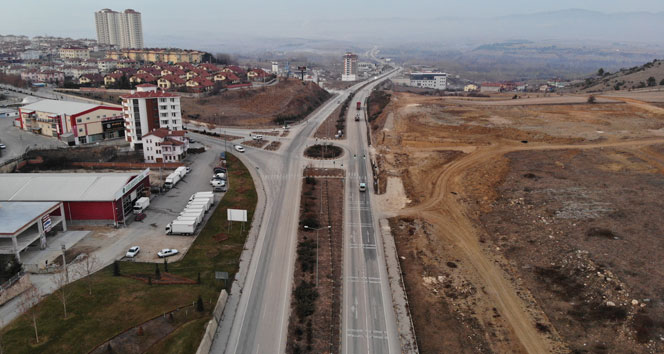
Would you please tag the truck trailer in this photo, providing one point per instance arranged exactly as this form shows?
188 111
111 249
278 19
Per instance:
359 105
172 180
184 227
141 204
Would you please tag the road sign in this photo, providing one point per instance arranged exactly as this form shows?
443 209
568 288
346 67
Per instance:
237 215
46 222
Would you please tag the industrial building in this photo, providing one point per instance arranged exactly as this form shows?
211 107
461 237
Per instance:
350 67
432 80
72 122
26 223
148 109
105 197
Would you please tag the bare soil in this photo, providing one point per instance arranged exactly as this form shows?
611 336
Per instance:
290 100
273 146
329 128
315 324
255 143
487 264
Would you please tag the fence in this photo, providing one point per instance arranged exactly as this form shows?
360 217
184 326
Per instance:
211 328
128 165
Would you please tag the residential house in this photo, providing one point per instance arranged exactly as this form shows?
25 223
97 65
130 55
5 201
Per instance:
171 82
163 145
470 88
112 79
199 84
491 87
92 80
142 79
107 65
257 74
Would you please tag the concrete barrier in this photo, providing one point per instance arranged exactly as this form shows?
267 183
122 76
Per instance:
211 328
18 286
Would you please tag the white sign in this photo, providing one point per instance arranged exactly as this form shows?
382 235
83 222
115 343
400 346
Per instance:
237 215
132 183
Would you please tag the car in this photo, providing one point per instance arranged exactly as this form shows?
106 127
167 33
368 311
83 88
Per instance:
3 146
217 182
219 170
239 148
363 187
133 251
140 216
191 140
219 175
167 252
221 188
258 137
188 169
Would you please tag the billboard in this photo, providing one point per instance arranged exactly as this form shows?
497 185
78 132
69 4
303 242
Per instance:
237 215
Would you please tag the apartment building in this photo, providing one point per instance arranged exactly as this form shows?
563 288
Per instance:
158 55
122 29
147 109
73 122
432 80
350 67
163 145
74 53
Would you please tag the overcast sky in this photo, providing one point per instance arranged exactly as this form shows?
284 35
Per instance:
286 18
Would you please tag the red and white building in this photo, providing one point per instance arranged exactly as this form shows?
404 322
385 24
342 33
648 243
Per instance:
163 145
147 109
106 197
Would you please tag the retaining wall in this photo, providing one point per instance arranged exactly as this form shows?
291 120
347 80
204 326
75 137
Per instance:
211 329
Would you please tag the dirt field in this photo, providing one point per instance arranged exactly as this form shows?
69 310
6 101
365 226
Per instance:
518 219
290 100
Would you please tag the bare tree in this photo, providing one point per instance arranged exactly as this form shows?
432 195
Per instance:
28 305
62 291
85 270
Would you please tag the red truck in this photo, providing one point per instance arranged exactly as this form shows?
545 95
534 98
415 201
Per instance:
359 105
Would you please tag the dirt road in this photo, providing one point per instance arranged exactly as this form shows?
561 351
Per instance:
449 218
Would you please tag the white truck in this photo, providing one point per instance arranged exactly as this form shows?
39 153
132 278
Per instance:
172 180
181 227
182 171
197 216
209 194
198 210
207 202
188 218
141 204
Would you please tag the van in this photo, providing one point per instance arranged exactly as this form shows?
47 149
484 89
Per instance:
258 137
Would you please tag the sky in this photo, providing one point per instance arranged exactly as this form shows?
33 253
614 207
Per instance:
180 20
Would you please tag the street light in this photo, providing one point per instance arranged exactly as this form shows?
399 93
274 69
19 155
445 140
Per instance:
320 228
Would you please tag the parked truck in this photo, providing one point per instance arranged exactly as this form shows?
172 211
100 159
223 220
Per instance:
359 105
188 218
204 204
181 227
172 180
141 204
207 194
192 214
182 171
199 210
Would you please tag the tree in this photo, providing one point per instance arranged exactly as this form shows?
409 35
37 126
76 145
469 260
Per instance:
28 305
592 99
124 84
199 304
600 72
62 291
88 267
116 268
652 81
157 273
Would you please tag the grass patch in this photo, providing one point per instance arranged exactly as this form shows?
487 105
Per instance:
183 339
120 303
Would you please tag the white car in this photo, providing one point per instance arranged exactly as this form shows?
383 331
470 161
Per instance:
216 182
363 187
239 148
188 169
3 146
167 252
133 251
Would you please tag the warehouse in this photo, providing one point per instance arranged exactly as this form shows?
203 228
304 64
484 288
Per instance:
26 223
104 197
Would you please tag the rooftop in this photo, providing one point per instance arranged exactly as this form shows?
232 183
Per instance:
58 107
62 186
14 215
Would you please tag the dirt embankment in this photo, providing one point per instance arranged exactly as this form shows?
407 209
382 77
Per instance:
290 100
512 269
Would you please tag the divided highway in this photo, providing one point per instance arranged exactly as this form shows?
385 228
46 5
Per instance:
255 319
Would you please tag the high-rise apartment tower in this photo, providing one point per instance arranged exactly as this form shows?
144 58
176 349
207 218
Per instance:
350 67
122 29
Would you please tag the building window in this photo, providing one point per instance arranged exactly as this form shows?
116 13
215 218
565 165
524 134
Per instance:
172 99
162 100
174 115
164 114
172 106
79 120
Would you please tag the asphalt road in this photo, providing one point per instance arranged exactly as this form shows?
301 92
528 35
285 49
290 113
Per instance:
256 317
368 322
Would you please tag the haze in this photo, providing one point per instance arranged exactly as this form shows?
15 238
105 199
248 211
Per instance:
213 25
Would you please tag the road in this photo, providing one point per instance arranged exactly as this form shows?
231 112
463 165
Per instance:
256 316
368 322
17 140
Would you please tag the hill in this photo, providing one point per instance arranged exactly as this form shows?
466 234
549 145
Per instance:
288 100
648 75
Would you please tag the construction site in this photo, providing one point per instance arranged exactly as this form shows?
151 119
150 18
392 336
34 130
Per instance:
527 224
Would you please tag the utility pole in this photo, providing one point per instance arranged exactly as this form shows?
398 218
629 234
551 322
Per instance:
64 263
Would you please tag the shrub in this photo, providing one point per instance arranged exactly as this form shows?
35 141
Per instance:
592 99
116 268
199 304
305 296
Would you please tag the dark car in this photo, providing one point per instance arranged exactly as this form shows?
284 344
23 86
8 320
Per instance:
140 217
